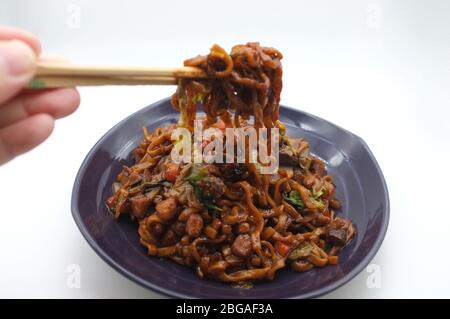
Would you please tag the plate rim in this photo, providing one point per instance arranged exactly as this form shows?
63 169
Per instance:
171 293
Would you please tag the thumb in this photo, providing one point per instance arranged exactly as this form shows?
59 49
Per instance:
17 66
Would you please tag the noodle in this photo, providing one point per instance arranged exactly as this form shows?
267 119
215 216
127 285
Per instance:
226 220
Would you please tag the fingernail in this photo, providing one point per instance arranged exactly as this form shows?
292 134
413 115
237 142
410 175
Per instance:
18 58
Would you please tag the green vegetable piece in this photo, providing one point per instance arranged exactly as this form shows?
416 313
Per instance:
304 250
196 173
294 199
319 193
212 206
198 98
318 203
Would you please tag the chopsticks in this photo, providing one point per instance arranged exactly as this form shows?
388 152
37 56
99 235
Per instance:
52 75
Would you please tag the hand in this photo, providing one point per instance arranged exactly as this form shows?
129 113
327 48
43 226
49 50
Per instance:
26 116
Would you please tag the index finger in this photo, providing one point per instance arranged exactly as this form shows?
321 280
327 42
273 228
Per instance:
10 33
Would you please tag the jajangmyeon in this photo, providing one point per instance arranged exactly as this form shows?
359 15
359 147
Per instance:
227 220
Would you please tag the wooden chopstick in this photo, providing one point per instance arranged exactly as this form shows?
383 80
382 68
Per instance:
49 68
49 75
42 82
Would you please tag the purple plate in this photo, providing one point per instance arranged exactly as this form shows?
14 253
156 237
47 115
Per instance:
360 187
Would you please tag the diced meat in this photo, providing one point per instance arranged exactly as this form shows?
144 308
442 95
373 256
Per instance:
167 209
298 175
318 167
286 171
156 229
194 225
111 202
138 154
244 228
179 228
122 207
334 203
234 171
123 176
134 179
172 171
210 232
139 205
216 223
169 238
213 169
288 156
211 187
242 246
330 188
309 180
337 237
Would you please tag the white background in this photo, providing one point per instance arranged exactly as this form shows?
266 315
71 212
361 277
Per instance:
380 69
